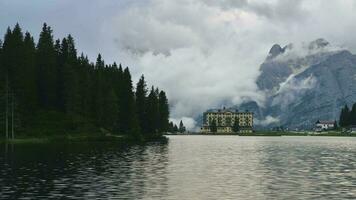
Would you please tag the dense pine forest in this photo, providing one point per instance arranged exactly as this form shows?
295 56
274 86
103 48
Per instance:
46 88
347 116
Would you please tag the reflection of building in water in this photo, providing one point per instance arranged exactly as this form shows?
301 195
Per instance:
227 121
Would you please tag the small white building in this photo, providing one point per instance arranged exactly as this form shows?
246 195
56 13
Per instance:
324 125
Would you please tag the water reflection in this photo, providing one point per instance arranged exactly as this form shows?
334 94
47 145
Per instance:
100 170
188 167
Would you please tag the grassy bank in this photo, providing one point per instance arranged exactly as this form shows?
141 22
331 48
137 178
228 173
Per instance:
237 134
329 133
261 134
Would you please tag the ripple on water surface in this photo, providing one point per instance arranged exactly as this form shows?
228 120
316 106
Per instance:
187 167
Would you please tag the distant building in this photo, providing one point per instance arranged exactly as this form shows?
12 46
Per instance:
324 125
225 121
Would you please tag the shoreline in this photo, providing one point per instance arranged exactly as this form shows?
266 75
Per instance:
278 134
129 140
85 138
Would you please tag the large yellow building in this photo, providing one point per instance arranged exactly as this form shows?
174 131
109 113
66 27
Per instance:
225 121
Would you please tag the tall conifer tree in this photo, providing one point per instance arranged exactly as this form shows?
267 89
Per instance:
46 63
13 63
141 95
352 116
181 127
152 111
71 88
49 79
344 116
30 75
163 112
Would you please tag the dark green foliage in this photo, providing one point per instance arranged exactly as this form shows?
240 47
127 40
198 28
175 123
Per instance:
181 128
30 75
14 79
352 116
141 107
111 110
347 116
163 108
1 68
99 91
152 112
173 128
213 127
46 67
2 71
128 121
335 125
50 90
344 117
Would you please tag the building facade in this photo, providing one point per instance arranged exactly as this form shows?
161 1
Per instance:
225 119
324 125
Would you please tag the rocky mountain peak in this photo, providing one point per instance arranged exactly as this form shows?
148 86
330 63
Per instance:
316 85
275 51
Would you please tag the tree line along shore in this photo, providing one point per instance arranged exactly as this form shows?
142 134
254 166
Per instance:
48 90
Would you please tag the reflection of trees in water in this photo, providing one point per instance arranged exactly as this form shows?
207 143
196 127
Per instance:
81 169
192 166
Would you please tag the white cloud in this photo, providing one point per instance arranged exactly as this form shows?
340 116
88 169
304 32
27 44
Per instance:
301 50
188 122
267 121
196 52
292 89
202 52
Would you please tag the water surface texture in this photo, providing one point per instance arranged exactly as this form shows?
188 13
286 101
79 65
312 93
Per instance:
187 167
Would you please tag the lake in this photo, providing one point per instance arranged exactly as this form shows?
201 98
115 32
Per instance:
185 167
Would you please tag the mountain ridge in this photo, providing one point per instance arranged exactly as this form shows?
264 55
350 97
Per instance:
317 86
302 85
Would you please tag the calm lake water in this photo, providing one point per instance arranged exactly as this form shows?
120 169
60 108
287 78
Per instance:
185 167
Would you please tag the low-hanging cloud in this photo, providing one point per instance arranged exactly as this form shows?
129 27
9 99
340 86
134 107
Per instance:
207 53
267 121
192 51
189 123
204 53
292 89
316 48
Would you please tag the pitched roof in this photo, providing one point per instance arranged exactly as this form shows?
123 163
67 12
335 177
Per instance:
325 122
226 110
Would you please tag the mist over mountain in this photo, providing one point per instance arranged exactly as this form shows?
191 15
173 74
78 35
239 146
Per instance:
203 53
303 84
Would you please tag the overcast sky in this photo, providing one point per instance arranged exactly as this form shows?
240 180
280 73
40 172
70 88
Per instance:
203 53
